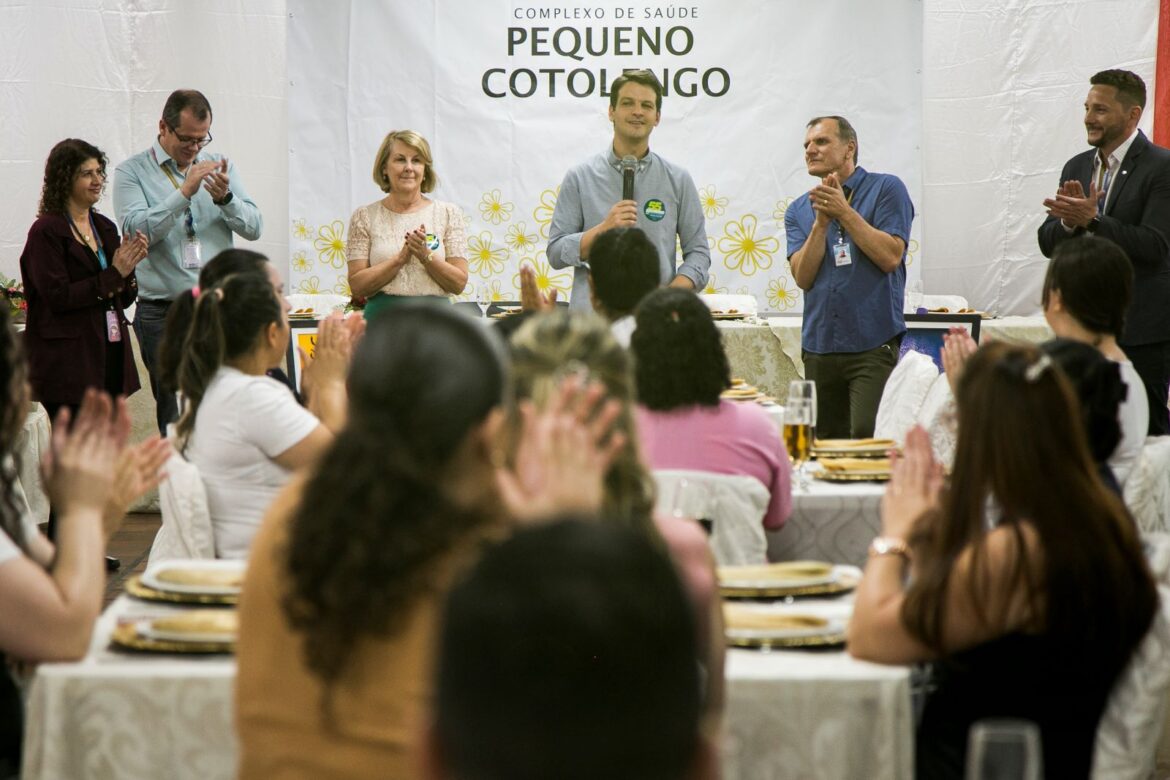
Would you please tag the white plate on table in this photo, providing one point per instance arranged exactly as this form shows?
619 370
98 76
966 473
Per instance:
214 570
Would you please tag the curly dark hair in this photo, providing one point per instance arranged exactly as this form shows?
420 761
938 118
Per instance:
181 312
374 522
678 352
623 264
13 408
61 171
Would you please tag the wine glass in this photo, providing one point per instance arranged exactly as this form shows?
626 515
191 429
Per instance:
1004 750
914 293
798 416
483 298
805 390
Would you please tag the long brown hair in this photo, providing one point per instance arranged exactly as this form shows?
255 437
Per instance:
13 409
1021 452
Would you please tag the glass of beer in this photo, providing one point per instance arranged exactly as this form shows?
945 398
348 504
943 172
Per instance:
805 389
798 433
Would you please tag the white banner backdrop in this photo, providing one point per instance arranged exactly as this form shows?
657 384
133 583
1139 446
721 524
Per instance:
510 95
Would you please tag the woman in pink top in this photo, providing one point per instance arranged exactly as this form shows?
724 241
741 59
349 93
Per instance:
681 368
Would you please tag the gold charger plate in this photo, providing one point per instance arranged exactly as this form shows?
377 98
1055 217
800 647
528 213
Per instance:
739 315
125 636
824 640
852 476
843 583
135 587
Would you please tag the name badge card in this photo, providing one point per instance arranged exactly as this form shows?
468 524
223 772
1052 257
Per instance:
113 330
841 254
192 253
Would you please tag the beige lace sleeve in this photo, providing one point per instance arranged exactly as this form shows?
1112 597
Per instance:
357 245
455 236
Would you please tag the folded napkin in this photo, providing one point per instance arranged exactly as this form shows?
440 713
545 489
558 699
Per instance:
854 464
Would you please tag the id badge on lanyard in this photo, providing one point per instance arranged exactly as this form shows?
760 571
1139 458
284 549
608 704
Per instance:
841 254
113 328
192 253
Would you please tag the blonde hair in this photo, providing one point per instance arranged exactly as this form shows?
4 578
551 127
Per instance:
548 345
414 141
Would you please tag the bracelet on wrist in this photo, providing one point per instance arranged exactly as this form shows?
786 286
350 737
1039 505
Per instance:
889 545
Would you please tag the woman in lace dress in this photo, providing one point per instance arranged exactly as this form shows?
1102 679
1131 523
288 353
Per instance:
405 244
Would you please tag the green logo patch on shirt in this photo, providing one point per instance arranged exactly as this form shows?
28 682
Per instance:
654 210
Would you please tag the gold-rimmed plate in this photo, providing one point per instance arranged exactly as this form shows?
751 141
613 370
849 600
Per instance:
842 579
758 625
126 636
852 448
136 588
730 315
876 475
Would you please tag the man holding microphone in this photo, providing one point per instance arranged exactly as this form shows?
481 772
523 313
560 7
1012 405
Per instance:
627 185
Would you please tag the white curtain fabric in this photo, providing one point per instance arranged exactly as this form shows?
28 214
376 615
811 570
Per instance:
1002 89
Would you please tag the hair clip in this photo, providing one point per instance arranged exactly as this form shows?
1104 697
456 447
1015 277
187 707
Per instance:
195 292
1033 372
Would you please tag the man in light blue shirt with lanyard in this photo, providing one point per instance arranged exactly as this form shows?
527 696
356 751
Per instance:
847 241
665 202
188 203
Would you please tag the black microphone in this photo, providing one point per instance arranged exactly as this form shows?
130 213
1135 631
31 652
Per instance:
629 166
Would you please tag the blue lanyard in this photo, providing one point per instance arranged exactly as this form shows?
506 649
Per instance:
101 252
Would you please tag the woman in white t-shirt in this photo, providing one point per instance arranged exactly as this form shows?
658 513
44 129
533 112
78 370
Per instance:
243 430
1087 291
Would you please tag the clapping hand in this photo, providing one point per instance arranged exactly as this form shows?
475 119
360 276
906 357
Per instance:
531 296
563 453
957 347
1072 206
916 481
828 199
327 369
130 253
416 243
78 469
197 173
216 182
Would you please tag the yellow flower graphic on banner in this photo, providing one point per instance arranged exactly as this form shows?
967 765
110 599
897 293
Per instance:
301 262
310 286
495 292
482 259
518 239
713 206
781 295
543 212
742 250
492 209
911 250
546 279
301 231
330 244
712 287
341 287
781 209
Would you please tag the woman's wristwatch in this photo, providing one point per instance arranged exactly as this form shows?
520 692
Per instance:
889 545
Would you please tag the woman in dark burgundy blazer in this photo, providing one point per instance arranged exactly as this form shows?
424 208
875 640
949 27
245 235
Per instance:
78 278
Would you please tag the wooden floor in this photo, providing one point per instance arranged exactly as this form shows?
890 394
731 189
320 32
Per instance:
131 545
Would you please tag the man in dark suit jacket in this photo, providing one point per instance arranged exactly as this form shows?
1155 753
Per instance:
1127 181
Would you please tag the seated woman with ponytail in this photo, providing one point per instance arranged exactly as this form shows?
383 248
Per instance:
244 430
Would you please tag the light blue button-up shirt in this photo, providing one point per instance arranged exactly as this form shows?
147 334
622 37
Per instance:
668 206
146 199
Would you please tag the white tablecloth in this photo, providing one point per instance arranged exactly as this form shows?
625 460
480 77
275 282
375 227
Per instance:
797 714
122 716
790 714
830 521
766 351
